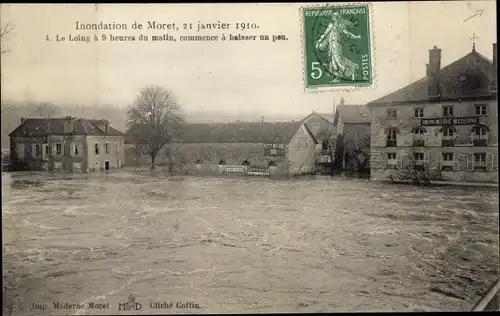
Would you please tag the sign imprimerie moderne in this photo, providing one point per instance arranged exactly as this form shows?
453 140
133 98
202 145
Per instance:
470 120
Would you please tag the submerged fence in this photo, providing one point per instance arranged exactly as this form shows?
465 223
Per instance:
251 170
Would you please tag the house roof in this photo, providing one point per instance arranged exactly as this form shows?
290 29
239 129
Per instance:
327 116
353 114
239 132
55 126
472 65
311 134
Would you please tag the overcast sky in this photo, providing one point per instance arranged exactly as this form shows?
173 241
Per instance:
235 78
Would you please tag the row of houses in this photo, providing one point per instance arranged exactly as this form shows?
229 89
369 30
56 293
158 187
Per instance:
291 148
445 123
299 147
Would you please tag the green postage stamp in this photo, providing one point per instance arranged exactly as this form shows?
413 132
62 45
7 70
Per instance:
337 46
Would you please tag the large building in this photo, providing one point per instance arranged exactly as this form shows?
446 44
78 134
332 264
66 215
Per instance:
215 147
66 144
272 147
445 123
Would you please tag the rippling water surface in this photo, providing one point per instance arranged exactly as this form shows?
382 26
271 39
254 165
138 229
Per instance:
234 244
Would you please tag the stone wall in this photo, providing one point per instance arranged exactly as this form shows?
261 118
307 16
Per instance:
205 157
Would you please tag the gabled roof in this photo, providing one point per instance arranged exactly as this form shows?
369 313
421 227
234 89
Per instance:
474 65
353 114
239 132
55 126
309 132
325 116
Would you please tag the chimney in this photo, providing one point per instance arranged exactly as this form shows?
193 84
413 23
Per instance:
494 83
434 73
104 125
68 125
23 119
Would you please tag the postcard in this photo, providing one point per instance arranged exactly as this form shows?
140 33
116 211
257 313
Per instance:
249 157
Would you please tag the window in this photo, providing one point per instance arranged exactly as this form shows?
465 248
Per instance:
418 156
418 137
480 159
76 149
325 144
447 156
392 113
420 131
47 150
481 109
448 132
480 133
96 148
315 126
448 111
391 135
448 137
419 113
106 148
480 136
302 143
38 150
391 138
58 149
391 156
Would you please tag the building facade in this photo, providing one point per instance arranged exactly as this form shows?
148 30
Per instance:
233 147
66 145
311 149
353 125
445 123
265 148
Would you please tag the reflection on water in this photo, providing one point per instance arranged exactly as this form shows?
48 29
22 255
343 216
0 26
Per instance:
234 244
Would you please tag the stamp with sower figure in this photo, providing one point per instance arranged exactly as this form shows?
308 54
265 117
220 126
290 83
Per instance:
337 47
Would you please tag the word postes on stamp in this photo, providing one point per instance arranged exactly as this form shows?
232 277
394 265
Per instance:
337 47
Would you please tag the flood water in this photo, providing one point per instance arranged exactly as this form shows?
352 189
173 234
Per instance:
235 244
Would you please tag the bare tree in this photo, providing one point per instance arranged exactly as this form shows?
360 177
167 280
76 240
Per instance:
351 156
4 30
359 154
47 110
154 120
